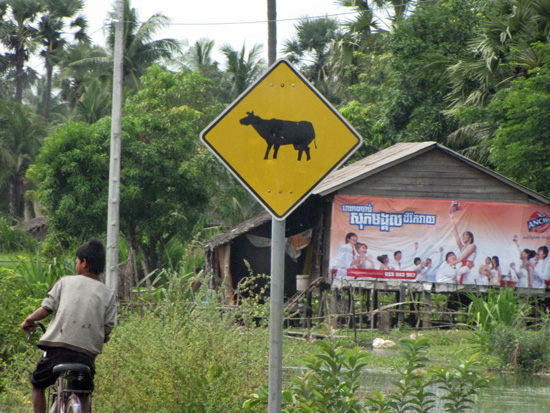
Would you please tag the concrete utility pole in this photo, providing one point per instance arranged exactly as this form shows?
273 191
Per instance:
113 222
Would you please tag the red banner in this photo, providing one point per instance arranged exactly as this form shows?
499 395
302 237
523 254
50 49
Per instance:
444 241
382 274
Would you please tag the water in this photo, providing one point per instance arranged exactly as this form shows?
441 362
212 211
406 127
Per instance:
515 393
508 393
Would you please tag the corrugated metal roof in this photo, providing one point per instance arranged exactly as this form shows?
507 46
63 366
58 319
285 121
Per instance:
240 229
371 164
396 154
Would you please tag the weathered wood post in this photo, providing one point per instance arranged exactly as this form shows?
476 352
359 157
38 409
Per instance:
426 321
400 314
333 320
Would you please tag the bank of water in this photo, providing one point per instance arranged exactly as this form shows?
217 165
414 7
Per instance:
509 393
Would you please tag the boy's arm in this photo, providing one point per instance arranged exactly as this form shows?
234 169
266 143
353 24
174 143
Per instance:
110 319
29 324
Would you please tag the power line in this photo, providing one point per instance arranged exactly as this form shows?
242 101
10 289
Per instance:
259 21
354 12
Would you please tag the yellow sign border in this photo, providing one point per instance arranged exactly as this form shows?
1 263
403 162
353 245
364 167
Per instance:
270 208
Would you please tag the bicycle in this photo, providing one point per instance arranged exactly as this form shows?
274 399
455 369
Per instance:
63 397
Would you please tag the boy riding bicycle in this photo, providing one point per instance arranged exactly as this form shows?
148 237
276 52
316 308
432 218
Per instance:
84 312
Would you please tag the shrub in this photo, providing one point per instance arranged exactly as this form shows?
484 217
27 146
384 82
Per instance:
330 385
496 309
14 239
522 349
332 381
188 358
16 303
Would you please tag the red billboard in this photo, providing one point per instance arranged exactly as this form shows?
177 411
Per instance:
443 241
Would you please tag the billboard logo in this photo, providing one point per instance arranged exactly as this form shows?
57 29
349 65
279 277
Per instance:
538 222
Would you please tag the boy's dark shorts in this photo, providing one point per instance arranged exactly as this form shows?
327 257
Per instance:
43 377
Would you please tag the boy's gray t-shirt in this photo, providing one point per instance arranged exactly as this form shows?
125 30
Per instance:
84 312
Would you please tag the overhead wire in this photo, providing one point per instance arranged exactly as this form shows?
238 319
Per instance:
375 9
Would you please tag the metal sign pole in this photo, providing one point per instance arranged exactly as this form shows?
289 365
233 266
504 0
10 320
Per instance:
278 241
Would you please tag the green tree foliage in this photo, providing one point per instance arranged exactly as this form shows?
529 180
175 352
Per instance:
242 68
83 83
402 89
70 173
310 49
422 46
521 145
503 50
164 190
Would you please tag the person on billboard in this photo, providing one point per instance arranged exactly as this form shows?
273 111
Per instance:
365 261
420 269
484 272
384 262
448 273
433 267
346 256
540 267
496 272
524 272
397 257
467 256
403 263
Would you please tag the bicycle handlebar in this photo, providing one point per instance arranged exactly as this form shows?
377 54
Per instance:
38 324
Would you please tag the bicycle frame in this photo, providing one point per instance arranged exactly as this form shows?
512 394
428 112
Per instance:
62 397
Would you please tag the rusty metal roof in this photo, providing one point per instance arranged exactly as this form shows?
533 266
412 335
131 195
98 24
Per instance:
370 165
240 229
396 154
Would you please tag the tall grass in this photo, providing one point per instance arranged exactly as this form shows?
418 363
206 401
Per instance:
184 355
497 308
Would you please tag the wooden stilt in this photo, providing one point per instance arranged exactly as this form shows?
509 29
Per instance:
426 321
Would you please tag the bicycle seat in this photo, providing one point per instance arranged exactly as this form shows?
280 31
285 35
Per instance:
75 367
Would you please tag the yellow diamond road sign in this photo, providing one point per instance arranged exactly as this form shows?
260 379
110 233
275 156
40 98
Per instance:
280 138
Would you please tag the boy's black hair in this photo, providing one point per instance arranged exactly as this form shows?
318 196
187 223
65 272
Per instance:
94 254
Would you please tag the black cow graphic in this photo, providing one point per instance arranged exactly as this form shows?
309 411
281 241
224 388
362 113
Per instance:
278 132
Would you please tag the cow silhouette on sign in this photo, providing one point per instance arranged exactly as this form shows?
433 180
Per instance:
277 132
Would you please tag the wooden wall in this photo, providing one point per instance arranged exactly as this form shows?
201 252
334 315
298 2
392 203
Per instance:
437 175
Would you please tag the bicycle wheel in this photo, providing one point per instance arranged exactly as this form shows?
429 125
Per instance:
74 405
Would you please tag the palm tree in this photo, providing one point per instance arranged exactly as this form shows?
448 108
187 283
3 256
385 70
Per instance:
51 28
20 139
20 36
78 68
94 103
199 58
140 50
242 68
311 45
361 35
504 50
